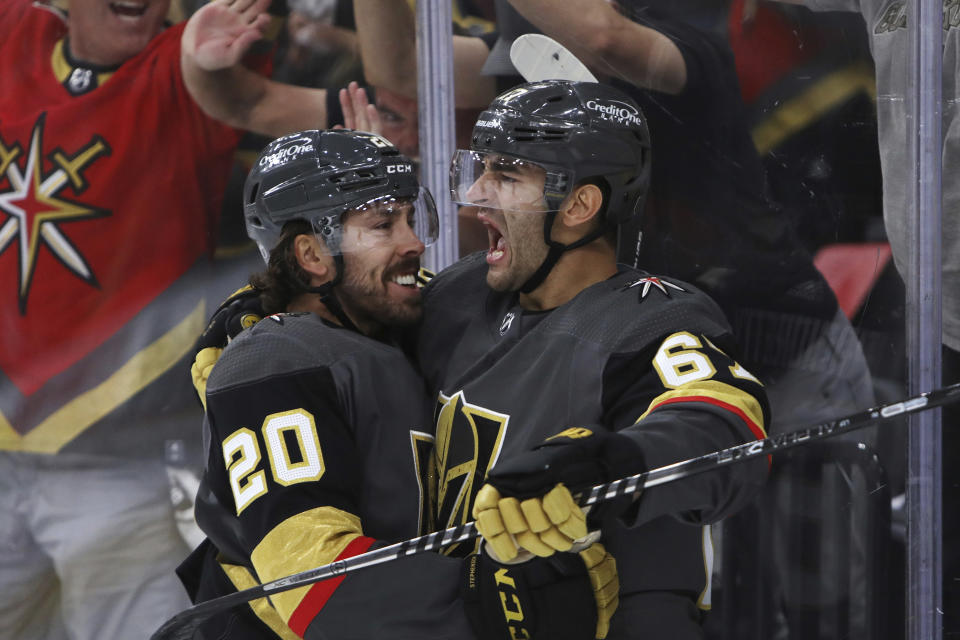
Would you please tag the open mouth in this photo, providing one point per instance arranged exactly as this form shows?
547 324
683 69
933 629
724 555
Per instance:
127 9
498 243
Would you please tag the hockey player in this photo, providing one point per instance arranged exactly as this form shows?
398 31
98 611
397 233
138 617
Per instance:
319 430
556 368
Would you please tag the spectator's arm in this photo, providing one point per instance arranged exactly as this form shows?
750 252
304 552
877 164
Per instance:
387 32
610 43
214 41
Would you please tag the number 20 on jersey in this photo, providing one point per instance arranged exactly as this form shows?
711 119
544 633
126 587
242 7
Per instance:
241 454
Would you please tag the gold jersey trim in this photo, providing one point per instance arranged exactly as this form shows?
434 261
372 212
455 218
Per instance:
261 607
721 392
62 67
304 541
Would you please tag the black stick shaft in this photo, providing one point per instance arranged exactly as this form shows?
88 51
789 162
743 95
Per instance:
183 625
750 450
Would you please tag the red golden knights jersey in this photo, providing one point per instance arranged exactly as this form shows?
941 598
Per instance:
646 356
319 441
110 184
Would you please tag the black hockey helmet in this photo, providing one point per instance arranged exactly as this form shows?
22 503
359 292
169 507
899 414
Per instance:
317 176
574 131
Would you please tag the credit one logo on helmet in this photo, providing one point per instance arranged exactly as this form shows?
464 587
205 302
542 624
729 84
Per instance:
285 155
616 111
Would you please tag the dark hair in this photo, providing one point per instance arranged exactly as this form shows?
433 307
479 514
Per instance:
284 279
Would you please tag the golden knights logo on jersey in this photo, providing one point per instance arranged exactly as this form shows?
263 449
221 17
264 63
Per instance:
469 439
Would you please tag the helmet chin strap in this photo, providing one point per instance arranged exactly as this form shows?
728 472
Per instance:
329 298
556 249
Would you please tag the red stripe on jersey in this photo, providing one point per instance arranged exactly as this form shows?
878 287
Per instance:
319 593
754 427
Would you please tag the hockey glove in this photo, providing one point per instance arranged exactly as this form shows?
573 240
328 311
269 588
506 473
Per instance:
602 569
565 597
528 504
542 526
241 310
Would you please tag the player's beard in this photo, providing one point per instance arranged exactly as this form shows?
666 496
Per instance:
365 294
527 251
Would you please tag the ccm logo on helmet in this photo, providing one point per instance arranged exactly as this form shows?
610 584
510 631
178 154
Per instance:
286 154
400 168
615 111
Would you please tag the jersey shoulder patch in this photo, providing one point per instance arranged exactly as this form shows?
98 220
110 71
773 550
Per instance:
650 289
634 307
647 284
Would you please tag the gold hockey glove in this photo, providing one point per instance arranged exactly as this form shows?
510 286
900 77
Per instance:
539 525
241 310
602 569
578 458
424 276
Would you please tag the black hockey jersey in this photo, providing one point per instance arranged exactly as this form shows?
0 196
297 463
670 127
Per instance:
647 356
318 442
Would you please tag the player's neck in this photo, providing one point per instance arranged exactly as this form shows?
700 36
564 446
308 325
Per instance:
313 303
310 302
575 271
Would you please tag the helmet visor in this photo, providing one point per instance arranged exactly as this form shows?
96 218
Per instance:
497 181
387 221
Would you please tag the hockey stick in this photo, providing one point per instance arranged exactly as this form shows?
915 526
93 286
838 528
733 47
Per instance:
183 625
539 57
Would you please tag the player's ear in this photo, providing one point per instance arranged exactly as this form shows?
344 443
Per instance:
313 258
582 205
